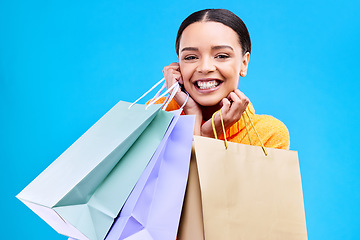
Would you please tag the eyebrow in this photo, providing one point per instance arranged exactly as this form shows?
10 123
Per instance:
221 47
213 48
189 49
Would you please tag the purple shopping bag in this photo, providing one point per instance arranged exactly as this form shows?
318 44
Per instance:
153 209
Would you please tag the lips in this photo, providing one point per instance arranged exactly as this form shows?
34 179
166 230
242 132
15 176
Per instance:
207 84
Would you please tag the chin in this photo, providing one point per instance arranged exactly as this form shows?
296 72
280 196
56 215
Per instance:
208 102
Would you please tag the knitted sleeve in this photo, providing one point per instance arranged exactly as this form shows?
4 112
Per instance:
272 131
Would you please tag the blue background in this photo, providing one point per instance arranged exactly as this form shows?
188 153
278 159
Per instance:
63 64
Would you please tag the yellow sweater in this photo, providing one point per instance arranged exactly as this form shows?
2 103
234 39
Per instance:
273 133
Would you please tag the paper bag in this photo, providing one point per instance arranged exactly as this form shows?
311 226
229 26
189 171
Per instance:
83 190
247 195
191 222
153 208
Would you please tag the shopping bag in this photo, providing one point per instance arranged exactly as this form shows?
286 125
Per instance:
245 193
153 209
81 192
191 222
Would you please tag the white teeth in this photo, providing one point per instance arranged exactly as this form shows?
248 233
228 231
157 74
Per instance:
207 85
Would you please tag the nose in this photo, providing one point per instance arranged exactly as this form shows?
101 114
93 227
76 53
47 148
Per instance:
206 65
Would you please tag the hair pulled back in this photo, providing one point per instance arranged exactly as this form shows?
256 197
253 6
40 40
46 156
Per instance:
223 16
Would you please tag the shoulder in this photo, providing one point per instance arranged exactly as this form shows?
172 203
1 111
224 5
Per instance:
273 132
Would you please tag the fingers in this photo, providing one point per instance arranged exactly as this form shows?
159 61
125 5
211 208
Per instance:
171 74
173 66
233 107
238 100
225 104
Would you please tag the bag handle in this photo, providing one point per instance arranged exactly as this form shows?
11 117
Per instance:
156 84
247 130
222 124
175 86
257 134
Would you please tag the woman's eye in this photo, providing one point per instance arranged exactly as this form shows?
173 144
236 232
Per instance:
222 56
190 58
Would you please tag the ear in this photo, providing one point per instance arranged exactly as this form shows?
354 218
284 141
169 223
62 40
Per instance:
244 64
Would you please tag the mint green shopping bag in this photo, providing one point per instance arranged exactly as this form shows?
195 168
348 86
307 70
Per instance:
83 190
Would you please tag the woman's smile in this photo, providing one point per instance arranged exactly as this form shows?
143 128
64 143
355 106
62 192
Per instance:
207 84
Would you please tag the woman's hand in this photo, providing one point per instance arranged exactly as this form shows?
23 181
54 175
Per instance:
172 74
232 108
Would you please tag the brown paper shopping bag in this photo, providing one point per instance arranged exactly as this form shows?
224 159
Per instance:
191 222
246 194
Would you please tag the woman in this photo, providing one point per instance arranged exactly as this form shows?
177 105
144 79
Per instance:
213 48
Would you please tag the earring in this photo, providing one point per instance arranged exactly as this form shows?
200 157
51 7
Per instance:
242 73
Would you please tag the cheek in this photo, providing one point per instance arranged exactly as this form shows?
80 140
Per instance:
185 72
231 72
232 75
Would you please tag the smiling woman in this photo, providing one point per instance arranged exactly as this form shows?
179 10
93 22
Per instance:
213 48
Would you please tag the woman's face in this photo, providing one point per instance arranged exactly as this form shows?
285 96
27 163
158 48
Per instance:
211 61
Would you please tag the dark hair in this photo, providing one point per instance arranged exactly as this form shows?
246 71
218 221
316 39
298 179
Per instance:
223 16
